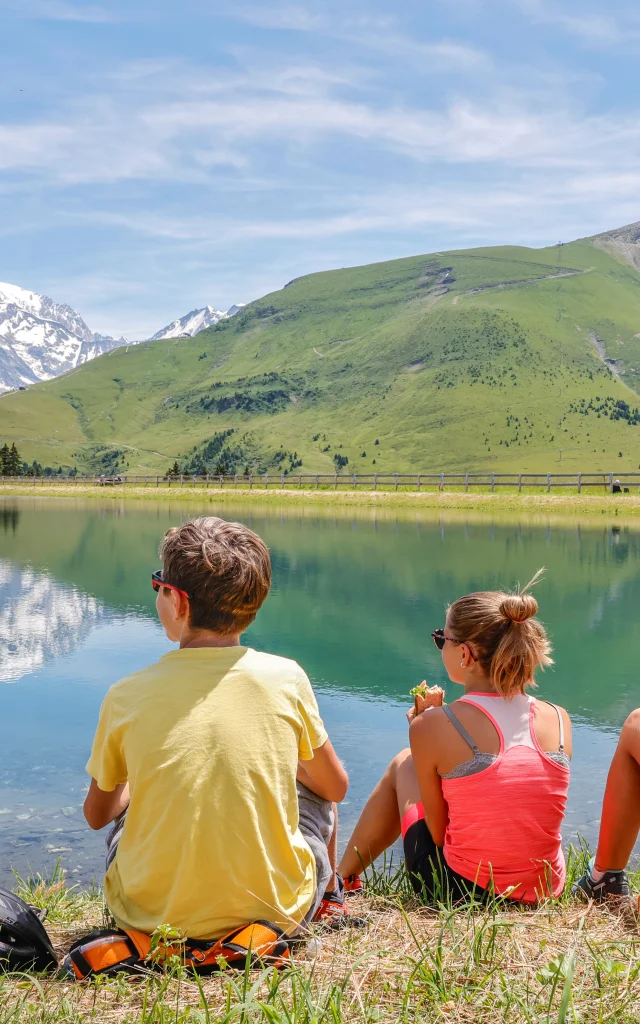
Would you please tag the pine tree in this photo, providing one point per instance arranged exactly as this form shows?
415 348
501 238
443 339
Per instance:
14 462
4 459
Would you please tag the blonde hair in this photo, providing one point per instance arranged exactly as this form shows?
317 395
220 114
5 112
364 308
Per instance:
506 639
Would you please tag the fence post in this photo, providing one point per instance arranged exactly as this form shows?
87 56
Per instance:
250 481
266 481
317 482
579 483
610 483
519 483
181 480
375 482
282 481
299 481
442 481
395 476
548 482
419 481
355 482
466 482
335 484
493 482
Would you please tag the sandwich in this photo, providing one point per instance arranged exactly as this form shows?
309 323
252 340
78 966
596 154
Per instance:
427 697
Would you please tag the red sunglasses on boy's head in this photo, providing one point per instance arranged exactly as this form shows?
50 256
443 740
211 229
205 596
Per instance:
157 582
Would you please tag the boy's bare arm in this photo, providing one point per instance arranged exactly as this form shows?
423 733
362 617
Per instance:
324 774
101 807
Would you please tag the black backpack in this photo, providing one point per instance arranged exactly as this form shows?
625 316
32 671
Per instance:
24 943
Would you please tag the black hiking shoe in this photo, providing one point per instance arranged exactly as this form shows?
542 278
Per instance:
612 885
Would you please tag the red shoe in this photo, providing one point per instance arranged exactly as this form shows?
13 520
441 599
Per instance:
353 885
330 908
332 912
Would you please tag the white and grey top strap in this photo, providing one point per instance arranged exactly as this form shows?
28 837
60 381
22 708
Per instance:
460 727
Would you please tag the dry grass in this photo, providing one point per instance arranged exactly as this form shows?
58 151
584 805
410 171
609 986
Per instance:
564 962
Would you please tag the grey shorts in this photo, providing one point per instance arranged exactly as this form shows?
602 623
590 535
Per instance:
316 825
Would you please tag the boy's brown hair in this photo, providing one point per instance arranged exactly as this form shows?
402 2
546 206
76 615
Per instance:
224 568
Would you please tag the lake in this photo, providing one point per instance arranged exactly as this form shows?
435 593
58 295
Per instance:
354 600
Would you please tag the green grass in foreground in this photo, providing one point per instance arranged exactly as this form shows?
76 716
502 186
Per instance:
564 962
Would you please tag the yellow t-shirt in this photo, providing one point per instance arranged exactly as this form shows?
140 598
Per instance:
209 740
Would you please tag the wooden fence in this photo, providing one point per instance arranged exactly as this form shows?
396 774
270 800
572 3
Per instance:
579 482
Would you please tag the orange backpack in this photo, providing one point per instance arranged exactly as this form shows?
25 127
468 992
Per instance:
109 952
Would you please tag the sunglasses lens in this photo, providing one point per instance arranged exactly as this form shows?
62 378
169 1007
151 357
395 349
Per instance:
438 638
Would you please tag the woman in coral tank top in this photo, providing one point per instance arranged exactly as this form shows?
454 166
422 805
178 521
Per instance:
480 795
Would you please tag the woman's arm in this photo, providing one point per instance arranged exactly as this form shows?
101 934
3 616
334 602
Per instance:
423 737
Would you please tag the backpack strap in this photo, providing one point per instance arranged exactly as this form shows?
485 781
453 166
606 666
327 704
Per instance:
263 943
104 952
113 951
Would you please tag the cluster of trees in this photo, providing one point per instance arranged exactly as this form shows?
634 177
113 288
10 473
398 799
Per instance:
10 461
12 464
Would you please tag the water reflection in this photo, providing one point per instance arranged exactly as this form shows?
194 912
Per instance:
9 517
40 619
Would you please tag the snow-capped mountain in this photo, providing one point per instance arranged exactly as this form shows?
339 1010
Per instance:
40 338
194 322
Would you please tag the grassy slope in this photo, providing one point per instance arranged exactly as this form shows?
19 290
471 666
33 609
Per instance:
407 352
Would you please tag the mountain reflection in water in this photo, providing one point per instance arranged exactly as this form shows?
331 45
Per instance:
40 619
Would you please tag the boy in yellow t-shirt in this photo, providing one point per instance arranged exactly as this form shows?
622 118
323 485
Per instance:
214 763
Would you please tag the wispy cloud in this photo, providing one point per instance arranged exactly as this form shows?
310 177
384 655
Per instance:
61 10
379 34
609 27
199 127
290 17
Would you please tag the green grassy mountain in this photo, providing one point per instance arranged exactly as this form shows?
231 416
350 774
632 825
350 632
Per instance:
501 358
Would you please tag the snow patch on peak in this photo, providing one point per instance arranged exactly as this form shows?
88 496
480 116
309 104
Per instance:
192 323
40 338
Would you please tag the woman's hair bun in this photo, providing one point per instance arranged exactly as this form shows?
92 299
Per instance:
519 607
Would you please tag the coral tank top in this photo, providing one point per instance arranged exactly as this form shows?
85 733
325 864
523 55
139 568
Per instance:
504 821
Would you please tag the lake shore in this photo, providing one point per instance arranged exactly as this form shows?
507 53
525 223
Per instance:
503 503
564 961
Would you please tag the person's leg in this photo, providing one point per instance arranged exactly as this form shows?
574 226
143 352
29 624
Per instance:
380 821
620 822
332 849
114 835
318 824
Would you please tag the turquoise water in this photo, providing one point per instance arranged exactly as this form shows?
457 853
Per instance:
354 601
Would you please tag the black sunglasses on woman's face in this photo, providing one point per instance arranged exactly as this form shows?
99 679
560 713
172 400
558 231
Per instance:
439 638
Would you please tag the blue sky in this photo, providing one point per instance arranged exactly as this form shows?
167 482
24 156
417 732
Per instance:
156 157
